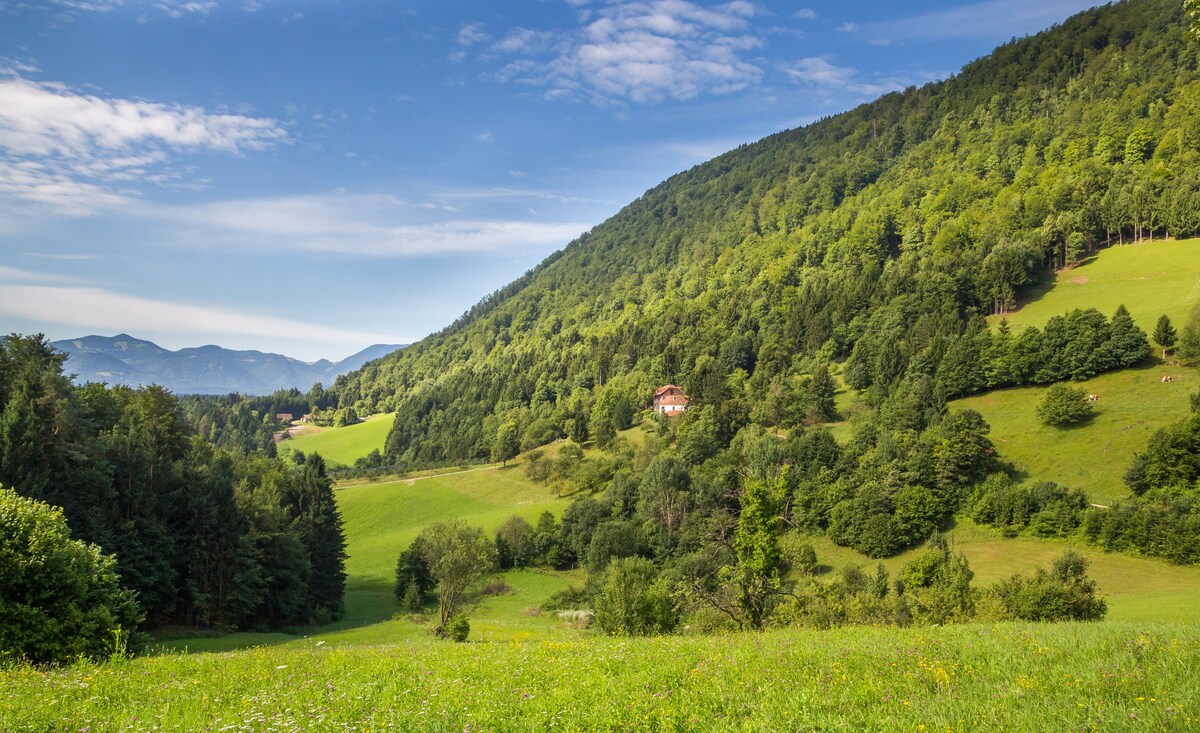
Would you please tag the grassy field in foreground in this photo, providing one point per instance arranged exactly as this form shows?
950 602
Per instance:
343 445
1009 677
1150 279
1093 457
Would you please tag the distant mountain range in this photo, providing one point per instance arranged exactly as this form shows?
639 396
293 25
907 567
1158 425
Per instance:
123 359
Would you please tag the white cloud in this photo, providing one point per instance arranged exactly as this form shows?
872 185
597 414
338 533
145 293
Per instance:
472 34
818 72
993 19
805 14
644 51
77 153
42 118
847 27
351 224
104 310
524 41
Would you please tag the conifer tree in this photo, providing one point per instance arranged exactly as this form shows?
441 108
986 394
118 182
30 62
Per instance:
1164 334
316 516
1128 341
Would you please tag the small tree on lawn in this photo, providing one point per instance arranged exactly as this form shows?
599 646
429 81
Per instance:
506 444
458 556
1063 405
1164 334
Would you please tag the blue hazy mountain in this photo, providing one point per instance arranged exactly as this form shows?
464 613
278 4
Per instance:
123 359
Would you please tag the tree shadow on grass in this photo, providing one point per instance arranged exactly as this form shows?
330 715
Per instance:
368 602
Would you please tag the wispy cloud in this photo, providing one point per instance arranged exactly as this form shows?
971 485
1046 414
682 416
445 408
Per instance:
350 224
76 153
819 72
171 8
641 51
103 310
10 275
995 19
472 34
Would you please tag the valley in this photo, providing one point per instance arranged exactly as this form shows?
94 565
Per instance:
890 421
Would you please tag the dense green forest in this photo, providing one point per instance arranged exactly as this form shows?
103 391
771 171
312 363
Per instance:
201 535
870 245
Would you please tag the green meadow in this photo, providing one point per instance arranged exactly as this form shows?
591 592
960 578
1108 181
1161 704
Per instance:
342 446
1151 279
1136 589
1008 677
1093 456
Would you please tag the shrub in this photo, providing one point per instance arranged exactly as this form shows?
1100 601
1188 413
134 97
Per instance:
458 628
633 600
1065 593
1064 405
59 598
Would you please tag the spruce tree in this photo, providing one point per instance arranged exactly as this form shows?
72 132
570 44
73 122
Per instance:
1129 344
1164 334
316 517
821 407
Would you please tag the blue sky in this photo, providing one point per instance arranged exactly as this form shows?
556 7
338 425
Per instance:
313 177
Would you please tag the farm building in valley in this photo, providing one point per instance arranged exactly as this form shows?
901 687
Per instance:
670 400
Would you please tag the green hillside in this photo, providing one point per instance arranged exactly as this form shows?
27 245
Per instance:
342 446
863 253
1151 279
1136 589
1092 457
879 235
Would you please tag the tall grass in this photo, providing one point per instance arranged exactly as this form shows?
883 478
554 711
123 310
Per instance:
966 678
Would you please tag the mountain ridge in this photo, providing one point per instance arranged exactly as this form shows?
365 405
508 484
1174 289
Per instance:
208 369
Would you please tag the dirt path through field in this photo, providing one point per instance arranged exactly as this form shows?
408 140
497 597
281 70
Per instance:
411 481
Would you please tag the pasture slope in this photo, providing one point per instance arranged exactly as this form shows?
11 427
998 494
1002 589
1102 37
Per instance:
342 446
1150 279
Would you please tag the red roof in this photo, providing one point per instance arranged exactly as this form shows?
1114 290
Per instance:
667 388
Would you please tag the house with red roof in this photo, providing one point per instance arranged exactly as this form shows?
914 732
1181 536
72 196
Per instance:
670 400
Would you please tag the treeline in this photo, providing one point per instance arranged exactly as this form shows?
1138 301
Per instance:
203 536
1075 346
1161 519
898 225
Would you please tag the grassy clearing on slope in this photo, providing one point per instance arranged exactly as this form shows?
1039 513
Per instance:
1013 677
1150 279
343 445
382 519
1136 589
1093 457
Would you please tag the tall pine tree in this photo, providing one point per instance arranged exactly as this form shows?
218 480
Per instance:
315 516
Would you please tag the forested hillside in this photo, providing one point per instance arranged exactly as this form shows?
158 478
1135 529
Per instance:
881 237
